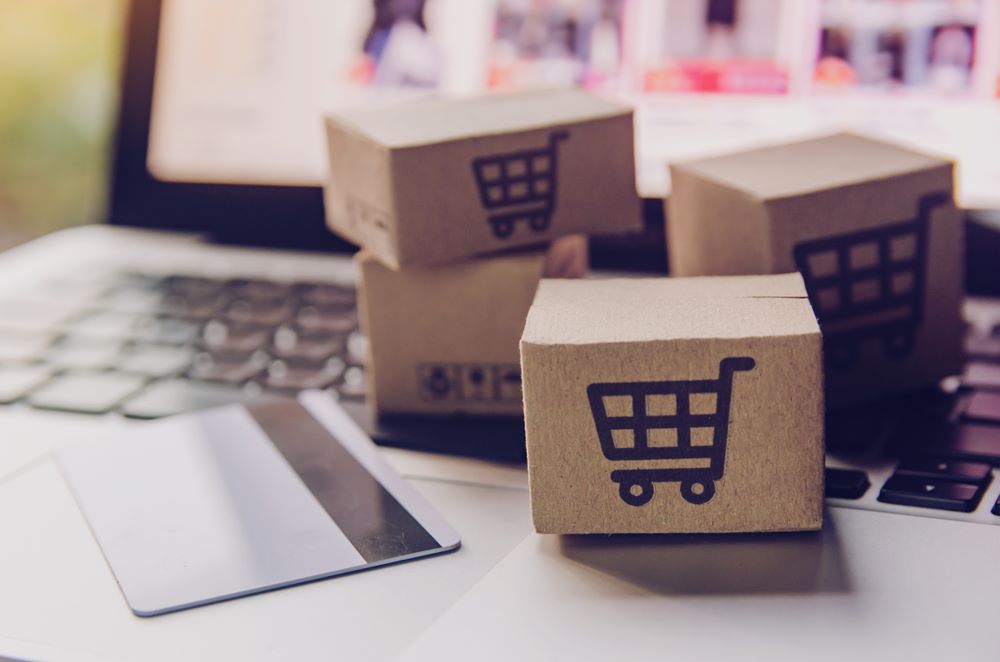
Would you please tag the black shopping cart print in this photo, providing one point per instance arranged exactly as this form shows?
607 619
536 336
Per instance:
869 284
519 186
655 423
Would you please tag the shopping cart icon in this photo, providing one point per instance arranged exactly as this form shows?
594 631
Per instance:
869 284
653 422
520 186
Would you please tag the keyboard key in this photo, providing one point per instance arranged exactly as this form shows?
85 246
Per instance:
228 369
846 483
982 406
107 325
17 380
325 294
964 472
193 287
155 360
17 346
357 348
262 313
954 441
937 494
354 385
137 281
336 365
168 331
327 319
84 355
111 325
176 396
76 291
976 442
261 290
88 393
980 375
176 305
148 328
221 337
128 300
34 314
281 376
982 347
302 346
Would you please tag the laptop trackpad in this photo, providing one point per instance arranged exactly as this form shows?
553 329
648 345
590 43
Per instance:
216 505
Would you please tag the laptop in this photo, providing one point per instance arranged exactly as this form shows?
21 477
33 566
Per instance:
165 309
206 289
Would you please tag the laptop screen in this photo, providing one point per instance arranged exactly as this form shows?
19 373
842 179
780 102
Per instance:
241 85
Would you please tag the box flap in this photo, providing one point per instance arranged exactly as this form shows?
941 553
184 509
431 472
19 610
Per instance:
429 121
811 165
645 309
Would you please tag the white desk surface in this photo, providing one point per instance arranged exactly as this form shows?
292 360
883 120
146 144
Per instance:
873 586
60 600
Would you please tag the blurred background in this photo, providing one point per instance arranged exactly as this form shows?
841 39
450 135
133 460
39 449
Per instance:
58 80
706 75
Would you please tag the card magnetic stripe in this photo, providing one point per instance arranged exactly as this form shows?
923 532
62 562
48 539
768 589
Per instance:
373 520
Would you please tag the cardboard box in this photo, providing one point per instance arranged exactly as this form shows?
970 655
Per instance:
434 181
674 405
871 226
443 340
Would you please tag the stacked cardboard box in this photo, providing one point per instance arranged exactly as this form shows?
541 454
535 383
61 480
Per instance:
874 231
461 207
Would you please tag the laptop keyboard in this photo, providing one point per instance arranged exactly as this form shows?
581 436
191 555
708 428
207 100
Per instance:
932 451
150 346
146 346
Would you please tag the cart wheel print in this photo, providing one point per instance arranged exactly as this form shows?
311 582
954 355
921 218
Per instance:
539 222
502 228
519 186
698 492
634 414
899 345
636 493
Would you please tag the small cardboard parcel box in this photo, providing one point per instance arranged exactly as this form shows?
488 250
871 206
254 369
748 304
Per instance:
872 228
443 340
435 181
674 405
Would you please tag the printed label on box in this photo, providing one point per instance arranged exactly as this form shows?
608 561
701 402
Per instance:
470 382
368 221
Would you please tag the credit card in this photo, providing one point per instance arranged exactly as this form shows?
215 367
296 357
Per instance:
225 503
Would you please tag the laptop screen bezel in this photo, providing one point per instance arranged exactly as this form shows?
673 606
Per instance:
278 216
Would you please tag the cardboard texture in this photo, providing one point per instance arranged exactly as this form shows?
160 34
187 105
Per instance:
674 405
434 181
872 227
443 340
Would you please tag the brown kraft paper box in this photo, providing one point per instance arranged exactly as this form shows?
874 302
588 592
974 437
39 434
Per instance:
674 405
874 231
435 181
443 340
